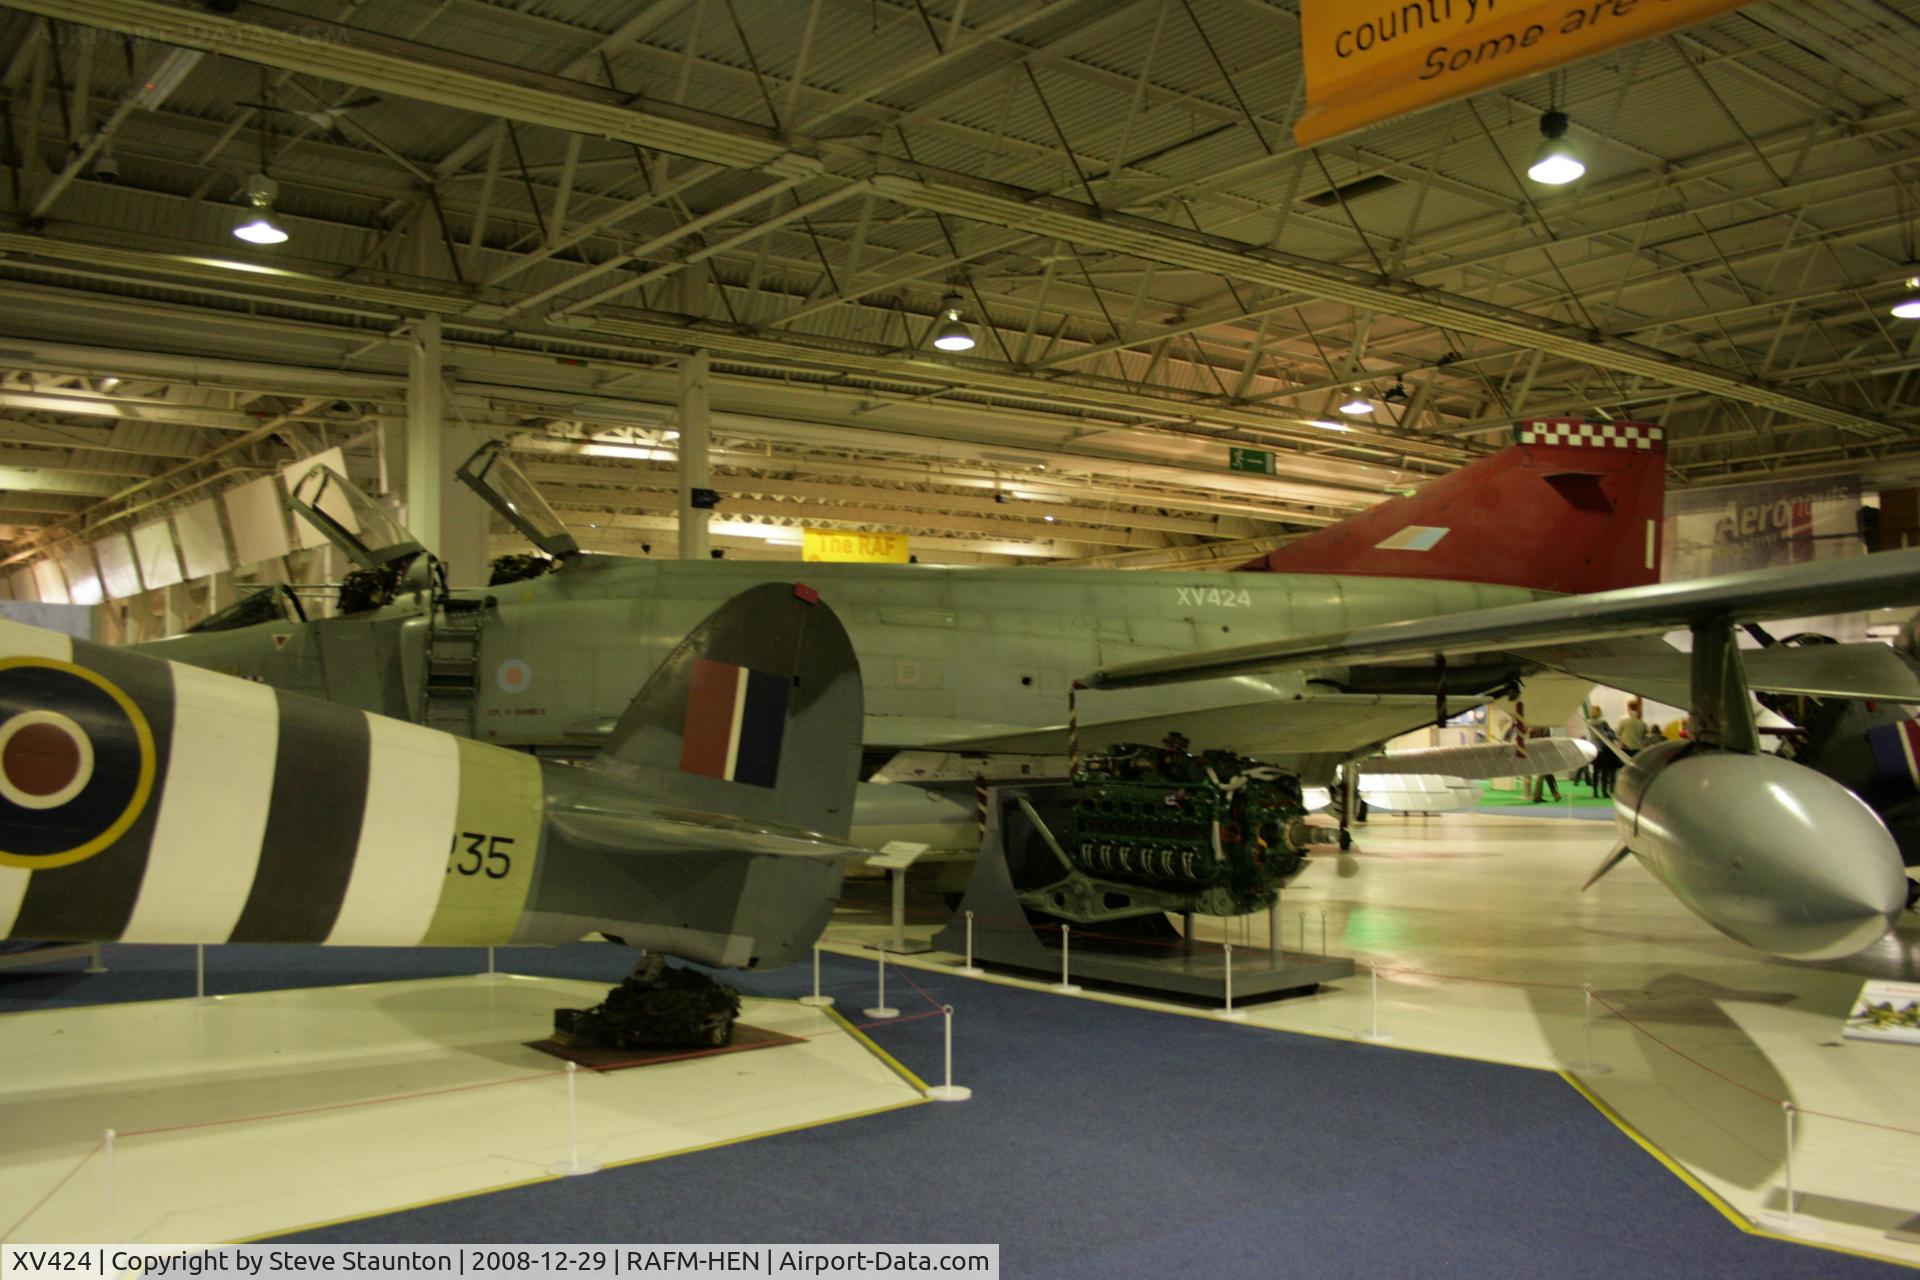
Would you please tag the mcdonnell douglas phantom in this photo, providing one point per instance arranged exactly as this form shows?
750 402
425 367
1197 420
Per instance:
972 671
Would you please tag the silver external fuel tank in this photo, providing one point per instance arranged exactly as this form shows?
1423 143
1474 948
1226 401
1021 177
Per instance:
1769 852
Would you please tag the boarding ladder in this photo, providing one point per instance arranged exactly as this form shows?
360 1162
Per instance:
452 685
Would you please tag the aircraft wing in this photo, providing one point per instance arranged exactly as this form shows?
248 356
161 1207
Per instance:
1335 723
1654 669
1829 586
663 831
1418 792
1485 759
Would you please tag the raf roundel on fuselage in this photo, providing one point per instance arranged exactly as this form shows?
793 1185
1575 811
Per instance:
71 781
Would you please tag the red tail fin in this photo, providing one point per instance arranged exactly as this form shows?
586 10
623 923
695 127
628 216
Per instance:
1571 506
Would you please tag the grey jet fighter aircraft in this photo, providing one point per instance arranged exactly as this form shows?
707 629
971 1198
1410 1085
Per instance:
977 666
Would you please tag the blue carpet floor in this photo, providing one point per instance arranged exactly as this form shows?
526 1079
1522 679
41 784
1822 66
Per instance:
1101 1142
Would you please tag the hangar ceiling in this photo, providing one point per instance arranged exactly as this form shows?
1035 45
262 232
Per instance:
585 191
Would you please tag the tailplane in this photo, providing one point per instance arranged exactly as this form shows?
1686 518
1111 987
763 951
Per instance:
1570 507
757 715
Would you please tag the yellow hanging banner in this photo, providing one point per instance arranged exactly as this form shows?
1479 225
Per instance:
1372 60
833 547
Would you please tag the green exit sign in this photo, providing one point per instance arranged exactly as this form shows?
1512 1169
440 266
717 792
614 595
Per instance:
1258 461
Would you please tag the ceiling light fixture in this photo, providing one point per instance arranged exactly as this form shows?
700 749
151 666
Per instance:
1357 403
1908 308
1397 393
255 224
1558 161
953 333
1327 424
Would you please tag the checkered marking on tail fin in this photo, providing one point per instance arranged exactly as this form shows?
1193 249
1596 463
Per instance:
735 721
1593 435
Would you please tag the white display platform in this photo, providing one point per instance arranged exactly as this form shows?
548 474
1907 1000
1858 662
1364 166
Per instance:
259 1114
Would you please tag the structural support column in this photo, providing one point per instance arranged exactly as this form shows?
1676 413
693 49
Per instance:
449 521
693 455
426 467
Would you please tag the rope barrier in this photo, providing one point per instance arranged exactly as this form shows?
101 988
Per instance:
934 1010
907 974
1675 1050
1747 1088
54 1190
1406 970
1494 982
1683 1054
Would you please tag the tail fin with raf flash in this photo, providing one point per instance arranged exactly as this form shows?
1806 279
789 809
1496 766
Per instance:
735 718
1571 507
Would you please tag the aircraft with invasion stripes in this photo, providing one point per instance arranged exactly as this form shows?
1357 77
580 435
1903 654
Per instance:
146 800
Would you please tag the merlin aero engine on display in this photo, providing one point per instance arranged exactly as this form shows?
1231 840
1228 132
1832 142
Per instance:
1404 616
1153 830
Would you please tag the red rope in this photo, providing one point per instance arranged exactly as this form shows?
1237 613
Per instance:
336 1106
1683 1054
690 1055
54 1190
908 975
1664 1044
1493 982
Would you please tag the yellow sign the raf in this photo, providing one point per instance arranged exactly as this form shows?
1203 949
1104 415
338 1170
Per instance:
1372 60
834 547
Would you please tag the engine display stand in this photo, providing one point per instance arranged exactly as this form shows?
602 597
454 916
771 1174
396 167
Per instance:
1180 967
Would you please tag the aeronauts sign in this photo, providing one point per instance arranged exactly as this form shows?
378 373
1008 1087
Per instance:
1372 60
1758 526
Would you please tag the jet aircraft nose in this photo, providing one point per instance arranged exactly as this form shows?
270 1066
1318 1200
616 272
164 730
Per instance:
1767 851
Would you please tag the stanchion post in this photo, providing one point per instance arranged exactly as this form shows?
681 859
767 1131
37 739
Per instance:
1228 1013
1373 983
1065 985
1786 1109
1587 1066
492 974
1273 925
200 995
970 968
1303 933
816 1000
949 1092
1790 1219
882 1009
572 1165
95 964
1323 932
